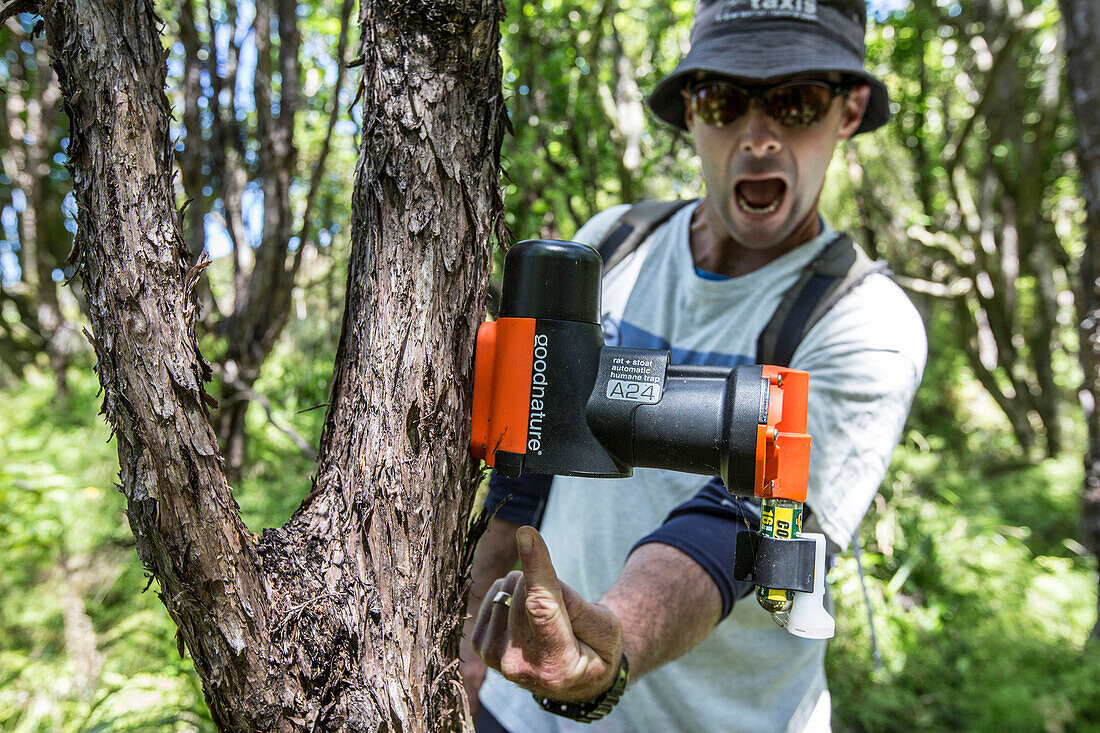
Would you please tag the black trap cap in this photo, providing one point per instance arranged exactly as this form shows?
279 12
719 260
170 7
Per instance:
549 278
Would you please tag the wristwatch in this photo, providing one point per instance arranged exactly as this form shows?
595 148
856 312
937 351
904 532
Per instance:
593 710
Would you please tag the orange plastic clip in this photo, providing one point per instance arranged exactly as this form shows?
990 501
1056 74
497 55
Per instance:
782 445
502 387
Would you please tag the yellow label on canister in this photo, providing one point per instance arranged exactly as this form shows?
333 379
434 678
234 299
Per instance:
776 594
781 519
781 522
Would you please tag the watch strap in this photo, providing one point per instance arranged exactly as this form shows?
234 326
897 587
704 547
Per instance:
592 710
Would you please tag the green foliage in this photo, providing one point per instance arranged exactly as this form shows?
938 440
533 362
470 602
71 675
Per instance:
982 600
296 381
968 193
82 647
575 74
65 536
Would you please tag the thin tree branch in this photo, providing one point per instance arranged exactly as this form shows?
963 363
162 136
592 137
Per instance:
306 230
247 393
952 152
953 289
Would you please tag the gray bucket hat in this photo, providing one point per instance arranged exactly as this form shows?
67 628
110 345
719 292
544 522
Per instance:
762 40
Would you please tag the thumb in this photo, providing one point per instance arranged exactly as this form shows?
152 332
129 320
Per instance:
544 604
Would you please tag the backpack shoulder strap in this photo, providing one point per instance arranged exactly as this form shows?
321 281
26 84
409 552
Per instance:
632 228
829 277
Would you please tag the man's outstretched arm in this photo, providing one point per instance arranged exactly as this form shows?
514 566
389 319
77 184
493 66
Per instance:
555 643
666 603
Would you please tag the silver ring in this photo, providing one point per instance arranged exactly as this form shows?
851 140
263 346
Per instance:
504 597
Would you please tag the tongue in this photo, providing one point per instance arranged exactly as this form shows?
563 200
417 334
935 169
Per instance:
761 193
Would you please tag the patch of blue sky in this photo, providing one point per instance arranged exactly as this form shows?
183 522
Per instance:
10 274
881 9
298 188
222 36
10 222
68 208
218 243
320 52
347 127
175 61
252 204
246 62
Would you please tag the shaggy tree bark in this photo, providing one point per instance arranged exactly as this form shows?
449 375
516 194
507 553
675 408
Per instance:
346 618
1081 19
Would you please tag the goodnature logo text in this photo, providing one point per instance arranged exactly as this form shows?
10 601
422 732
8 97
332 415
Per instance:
538 394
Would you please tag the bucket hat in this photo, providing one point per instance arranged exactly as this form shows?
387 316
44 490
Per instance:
763 40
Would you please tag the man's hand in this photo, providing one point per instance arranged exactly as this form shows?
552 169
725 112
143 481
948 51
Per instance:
549 639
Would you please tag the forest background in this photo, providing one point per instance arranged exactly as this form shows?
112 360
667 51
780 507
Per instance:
982 589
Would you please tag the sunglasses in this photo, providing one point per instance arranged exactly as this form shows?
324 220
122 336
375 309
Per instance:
796 104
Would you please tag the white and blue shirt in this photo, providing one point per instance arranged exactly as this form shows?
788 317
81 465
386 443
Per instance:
865 358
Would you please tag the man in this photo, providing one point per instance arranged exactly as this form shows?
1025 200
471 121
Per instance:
767 90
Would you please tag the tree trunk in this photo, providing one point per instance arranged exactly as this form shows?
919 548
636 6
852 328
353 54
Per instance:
261 308
982 179
346 618
264 296
1081 20
33 140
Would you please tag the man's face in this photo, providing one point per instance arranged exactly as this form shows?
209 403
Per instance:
763 178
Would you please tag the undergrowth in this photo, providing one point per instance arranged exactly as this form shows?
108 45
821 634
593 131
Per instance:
982 598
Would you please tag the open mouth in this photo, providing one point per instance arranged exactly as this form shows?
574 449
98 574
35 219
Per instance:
761 196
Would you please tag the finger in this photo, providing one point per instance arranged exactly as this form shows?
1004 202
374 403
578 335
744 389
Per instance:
519 632
544 605
484 614
528 650
511 580
520 627
496 632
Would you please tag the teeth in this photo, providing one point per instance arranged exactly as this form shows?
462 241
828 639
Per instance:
744 203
